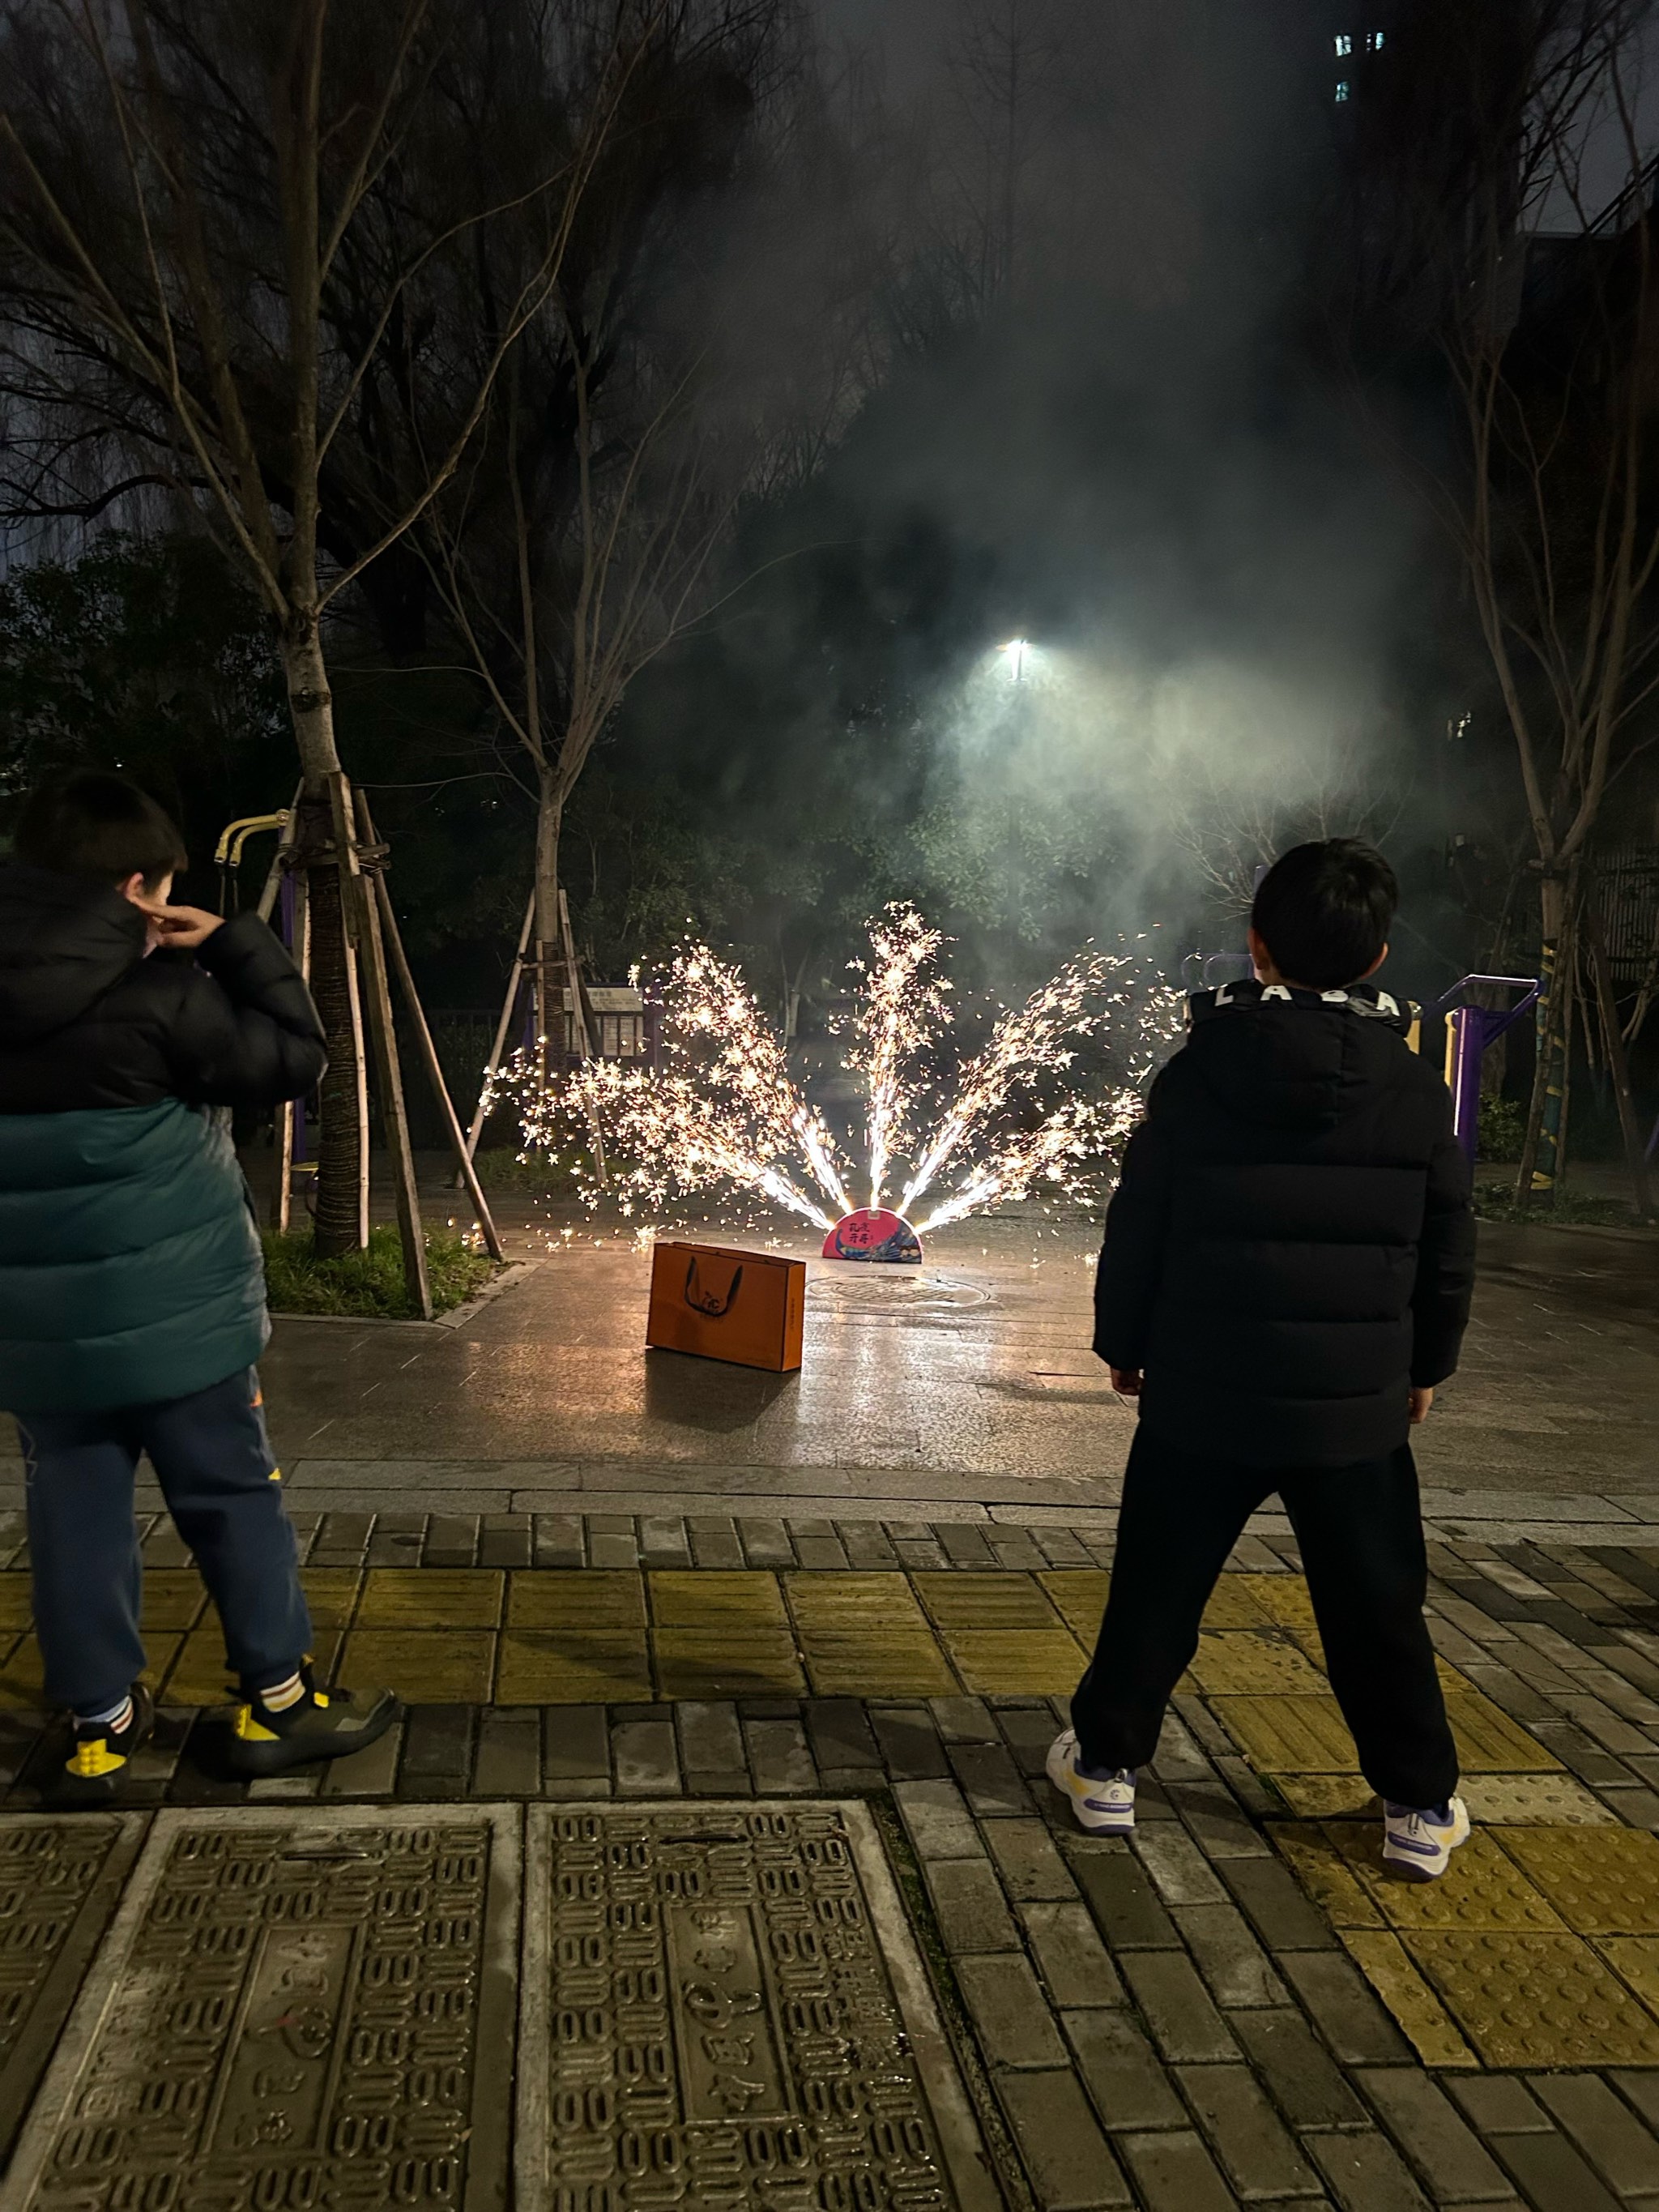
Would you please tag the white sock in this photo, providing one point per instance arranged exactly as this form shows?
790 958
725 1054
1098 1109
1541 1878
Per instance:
115 1719
280 1695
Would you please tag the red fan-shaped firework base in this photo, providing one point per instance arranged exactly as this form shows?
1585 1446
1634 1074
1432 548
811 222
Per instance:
873 1233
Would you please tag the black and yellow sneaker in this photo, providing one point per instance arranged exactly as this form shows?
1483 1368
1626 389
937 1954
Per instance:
99 1755
319 1724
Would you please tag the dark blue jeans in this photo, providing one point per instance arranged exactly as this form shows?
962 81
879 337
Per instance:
213 1461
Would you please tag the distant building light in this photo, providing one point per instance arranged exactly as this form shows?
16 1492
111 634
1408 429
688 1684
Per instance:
1374 42
1343 90
1344 43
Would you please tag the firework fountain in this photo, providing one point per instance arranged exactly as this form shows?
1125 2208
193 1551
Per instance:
726 1114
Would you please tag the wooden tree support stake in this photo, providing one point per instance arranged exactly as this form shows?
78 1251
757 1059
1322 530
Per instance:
392 937
1618 1060
481 1111
383 1036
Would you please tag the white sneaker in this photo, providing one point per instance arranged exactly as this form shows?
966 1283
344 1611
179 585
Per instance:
1108 1806
1418 1845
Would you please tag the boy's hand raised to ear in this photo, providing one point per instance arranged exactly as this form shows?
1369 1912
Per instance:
180 927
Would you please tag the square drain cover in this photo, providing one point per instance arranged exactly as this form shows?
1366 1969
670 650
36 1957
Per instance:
60 1881
292 2009
723 2004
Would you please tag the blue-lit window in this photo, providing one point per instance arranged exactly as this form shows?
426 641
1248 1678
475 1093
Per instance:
1344 43
1342 90
1374 42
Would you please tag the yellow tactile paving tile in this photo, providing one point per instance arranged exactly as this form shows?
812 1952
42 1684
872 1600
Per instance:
21 1674
431 1597
1283 1598
424 1666
200 1673
1490 1742
22 1683
1298 1734
1326 1796
1602 1881
1232 1606
1254 1661
576 1598
1318 1863
1289 1735
1533 1800
571 1667
1482 1888
16 1612
1079 1598
173 1597
1016 1661
1427 2026
1306 1640
852 1600
736 1661
1493 1800
865 1635
844 1662
1001 1600
330 1595
1635 1959
1535 2000
710 1598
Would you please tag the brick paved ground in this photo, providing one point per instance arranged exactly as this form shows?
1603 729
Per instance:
1232 2007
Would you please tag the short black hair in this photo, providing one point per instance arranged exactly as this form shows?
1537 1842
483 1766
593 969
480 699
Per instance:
94 824
1323 911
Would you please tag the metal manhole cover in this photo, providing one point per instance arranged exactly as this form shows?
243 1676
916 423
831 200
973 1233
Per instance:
59 1880
291 2009
724 2004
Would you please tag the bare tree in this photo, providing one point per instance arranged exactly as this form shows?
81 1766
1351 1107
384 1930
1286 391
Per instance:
1492 125
660 386
221 229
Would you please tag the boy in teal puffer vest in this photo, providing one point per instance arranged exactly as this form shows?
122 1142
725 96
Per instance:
132 1303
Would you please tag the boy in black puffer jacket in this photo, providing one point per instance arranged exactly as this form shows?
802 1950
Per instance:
1286 1279
132 1302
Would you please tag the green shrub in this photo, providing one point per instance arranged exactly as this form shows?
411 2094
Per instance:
368 1285
538 1176
1502 1130
1495 1202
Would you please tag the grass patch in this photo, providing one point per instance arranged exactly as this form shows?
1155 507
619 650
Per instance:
369 1285
1496 1201
538 1176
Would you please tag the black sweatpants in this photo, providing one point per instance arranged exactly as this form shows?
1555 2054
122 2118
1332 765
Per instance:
1360 1530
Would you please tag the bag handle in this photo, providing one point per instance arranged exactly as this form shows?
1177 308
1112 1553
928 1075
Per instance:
710 1303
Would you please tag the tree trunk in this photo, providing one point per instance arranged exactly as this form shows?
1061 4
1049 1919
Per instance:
550 980
341 1200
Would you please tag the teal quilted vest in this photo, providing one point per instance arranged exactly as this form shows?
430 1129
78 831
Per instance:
129 1265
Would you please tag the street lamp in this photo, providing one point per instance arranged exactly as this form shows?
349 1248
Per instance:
1015 651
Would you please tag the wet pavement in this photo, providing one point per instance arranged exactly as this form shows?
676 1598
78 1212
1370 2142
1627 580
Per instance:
711 1864
965 1388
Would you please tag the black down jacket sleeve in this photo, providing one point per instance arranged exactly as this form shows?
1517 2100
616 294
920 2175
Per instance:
245 1033
1132 1258
1445 1267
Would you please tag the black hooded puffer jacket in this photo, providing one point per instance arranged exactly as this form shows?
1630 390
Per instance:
130 1265
1292 1246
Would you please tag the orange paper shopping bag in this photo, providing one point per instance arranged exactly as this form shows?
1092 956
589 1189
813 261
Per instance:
720 1303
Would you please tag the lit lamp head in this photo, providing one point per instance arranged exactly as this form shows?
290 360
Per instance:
1015 653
